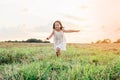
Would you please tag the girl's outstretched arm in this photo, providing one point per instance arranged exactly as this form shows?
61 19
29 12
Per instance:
50 35
69 31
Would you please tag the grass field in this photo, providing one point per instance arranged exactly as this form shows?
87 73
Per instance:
25 61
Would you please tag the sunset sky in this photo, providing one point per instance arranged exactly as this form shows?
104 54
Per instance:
23 19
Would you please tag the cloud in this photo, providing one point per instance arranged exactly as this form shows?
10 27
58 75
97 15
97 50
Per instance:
84 7
22 32
117 30
74 17
12 32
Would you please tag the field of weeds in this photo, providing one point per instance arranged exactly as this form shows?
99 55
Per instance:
35 61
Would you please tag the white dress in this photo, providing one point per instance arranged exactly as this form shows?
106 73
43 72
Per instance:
59 40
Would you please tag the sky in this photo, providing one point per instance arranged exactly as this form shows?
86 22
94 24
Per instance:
24 19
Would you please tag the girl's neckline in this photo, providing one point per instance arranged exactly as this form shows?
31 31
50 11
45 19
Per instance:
58 31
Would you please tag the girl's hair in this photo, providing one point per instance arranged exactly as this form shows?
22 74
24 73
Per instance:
61 27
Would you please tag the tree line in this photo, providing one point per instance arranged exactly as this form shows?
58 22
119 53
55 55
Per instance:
107 41
31 40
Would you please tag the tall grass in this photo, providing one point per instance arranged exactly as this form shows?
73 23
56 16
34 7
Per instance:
79 62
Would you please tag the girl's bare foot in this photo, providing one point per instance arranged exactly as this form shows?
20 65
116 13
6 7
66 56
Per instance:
57 54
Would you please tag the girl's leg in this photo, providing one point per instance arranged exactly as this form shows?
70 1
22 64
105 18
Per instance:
58 52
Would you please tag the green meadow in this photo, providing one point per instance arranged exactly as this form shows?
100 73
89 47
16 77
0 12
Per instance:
35 61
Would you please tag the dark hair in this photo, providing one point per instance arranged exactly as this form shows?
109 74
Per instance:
61 27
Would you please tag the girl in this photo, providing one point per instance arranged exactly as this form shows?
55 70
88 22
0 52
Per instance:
59 39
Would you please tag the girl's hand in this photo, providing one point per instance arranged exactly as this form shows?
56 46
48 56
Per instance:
47 38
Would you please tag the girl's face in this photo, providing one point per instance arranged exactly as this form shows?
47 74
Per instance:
57 26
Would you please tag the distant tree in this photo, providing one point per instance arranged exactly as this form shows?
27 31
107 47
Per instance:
9 41
22 41
16 41
106 41
46 41
118 41
99 41
34 40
